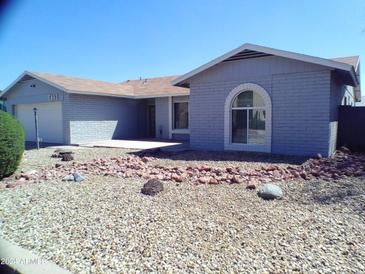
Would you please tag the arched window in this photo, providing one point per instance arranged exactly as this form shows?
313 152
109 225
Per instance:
248 118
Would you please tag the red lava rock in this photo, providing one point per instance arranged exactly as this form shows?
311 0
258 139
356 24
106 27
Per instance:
154 171
303 174
160 177
236 180
251 185
276 173
358 173
177 178
341 165
204 180
345 150
145 159
213 181
270 168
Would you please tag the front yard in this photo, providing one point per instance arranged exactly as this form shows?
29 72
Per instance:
104 224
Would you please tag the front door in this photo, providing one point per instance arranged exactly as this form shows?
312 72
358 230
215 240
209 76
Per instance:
151 121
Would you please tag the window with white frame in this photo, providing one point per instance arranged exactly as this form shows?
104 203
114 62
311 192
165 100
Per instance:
248 118
180 115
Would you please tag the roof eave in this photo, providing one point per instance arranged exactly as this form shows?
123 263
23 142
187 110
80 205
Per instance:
182 80
9 87
126 96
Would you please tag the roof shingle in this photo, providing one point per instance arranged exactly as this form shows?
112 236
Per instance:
159 86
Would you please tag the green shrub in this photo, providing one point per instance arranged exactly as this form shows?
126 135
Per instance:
12 139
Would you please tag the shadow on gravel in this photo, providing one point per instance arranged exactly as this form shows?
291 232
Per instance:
33 145
348 192
194 155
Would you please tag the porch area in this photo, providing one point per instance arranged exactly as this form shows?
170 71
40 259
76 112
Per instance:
140 144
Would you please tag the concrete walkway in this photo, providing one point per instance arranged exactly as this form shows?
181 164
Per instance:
133 144
20 260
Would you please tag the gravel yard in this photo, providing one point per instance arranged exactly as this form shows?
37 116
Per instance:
104 224
35 159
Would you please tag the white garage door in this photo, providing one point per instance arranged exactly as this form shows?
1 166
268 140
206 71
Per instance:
49 121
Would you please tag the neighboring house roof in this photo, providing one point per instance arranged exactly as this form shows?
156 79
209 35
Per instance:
144 88
351 60
250 51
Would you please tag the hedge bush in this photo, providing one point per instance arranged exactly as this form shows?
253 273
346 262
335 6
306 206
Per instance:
12 139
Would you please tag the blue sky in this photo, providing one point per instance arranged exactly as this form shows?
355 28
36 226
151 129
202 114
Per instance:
120 40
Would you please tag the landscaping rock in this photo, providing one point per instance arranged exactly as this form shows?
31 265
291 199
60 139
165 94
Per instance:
13 184
251 185
152 187
63 152
69 177
345 150
204 180
177 178
270 192
236 180
340 165
67 157
213 181
78 177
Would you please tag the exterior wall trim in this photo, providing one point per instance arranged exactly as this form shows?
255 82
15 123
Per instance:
268 123
169 101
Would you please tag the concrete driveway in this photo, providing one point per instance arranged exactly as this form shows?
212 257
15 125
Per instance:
136 144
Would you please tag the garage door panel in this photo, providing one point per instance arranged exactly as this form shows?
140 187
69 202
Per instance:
49 121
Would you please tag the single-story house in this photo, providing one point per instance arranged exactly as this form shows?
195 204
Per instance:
252 98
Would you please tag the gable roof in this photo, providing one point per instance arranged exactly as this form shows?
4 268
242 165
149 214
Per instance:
137 89
250 51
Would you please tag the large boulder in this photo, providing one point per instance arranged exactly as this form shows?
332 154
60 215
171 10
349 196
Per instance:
270 192
67 157
152 187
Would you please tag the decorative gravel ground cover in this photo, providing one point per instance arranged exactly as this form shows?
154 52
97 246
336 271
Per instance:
105 225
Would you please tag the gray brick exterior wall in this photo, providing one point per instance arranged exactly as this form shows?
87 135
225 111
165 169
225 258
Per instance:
162 117
92 118
181 137
300 96
338 90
